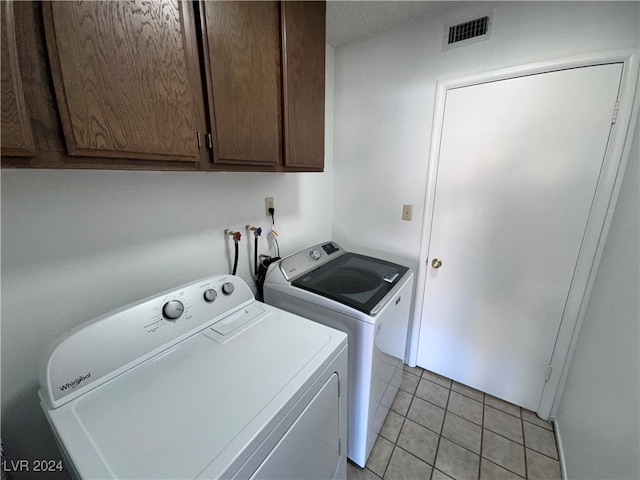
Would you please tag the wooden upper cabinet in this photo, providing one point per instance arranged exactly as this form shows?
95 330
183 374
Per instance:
126 78
265 76
17 139
242 45
304 75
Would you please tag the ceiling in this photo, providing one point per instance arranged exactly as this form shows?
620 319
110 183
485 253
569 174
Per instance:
351 20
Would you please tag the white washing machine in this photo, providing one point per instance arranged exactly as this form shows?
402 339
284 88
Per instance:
201 381
369 299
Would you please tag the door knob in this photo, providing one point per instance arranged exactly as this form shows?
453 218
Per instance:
436 263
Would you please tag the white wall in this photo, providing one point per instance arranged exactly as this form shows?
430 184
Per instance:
77 244
385 92
600 402
384 103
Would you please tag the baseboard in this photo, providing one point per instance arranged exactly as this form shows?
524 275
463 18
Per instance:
563 467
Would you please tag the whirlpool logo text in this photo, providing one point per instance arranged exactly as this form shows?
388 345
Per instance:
74 383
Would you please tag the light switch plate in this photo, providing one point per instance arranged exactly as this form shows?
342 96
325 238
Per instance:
407 212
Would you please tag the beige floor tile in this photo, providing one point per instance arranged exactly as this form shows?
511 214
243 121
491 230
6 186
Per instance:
463 432
391 426
419 441
457 462
432 392
491 471
531 417
465 407
438 475
380 455
541 467
468 391
356 473
409 382
415 370
503 424
401 402
540 439
502 405
426 414
435 378
504 452
404 466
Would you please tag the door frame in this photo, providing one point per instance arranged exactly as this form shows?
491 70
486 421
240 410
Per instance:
606 195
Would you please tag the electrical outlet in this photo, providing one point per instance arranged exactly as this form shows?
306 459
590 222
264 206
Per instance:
407 212
268 203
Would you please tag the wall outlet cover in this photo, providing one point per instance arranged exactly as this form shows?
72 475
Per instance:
407 212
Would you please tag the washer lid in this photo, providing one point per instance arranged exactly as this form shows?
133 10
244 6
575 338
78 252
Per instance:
204 404
355 280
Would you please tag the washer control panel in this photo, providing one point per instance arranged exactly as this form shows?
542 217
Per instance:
302 262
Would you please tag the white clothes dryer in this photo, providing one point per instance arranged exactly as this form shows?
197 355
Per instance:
370 300
201 381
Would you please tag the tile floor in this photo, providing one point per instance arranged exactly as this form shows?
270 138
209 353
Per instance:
438 430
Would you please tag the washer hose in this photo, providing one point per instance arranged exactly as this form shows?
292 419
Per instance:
255 256
236 239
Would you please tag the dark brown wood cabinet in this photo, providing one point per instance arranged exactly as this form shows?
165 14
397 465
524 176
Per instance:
17 139
133 63
304 74
171 85
242 45
265 69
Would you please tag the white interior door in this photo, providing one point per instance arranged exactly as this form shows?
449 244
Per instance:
517 170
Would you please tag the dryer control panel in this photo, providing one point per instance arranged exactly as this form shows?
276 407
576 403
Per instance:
307 260
82 358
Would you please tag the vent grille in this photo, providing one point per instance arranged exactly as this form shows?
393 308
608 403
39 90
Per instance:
456 35
467 30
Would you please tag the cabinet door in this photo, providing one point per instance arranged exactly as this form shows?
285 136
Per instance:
242 43
17 139
304 72
125 76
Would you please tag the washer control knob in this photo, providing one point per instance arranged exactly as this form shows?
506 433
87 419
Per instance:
210 295
315 254
173 309
228 288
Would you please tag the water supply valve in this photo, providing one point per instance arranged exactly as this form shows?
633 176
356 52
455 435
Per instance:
257 231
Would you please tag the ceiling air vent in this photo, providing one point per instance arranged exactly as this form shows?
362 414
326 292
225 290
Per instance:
467 32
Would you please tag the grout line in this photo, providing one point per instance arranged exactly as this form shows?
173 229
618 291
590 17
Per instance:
446 409
395 444
484 405
524 444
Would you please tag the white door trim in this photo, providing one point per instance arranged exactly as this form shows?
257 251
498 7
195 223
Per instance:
599 220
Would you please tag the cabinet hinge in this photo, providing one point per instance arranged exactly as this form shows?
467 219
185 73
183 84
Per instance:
615 114
198 139
339 446
338 388
548 375
209 141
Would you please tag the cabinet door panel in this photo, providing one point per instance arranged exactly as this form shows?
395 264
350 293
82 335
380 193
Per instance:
17 139
124 78
304 72
244 71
